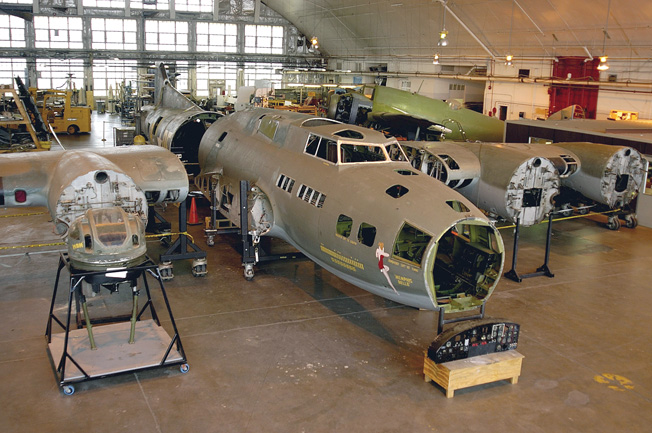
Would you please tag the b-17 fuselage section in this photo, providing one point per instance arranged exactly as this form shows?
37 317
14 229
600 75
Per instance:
347 197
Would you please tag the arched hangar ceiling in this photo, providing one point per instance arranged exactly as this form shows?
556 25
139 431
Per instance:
382 30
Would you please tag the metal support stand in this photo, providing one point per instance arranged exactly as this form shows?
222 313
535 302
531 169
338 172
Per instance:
78 355
542 270
156 223
252 252
179 249
443 321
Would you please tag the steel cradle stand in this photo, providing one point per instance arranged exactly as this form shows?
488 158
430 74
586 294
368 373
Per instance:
124 346
183 248
542 270
252 251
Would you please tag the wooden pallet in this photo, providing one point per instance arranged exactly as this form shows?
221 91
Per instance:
473 371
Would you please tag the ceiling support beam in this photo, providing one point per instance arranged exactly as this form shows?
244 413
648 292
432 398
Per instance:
450 11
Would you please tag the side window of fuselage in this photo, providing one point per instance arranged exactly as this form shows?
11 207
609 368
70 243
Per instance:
367 234
344 224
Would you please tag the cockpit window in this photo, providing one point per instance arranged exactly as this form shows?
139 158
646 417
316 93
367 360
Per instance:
410 244
349 133
396 152
322 147
361 153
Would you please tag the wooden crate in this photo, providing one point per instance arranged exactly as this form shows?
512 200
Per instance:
473 371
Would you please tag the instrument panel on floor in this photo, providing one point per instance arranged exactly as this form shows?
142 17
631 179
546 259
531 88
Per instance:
474 338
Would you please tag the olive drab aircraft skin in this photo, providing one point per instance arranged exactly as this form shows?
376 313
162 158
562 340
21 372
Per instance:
399 110
347 198
98 198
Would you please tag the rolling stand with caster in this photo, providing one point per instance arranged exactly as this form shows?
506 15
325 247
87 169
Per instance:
83 351
183 248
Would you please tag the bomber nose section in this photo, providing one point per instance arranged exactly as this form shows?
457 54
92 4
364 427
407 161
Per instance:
465 265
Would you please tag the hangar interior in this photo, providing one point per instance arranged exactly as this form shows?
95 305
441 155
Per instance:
298 348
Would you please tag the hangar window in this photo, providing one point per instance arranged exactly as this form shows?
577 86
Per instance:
217 37
367 234
344 224
261 39
166 36
113 34
410 244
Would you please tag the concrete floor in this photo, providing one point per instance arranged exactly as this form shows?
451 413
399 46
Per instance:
299 350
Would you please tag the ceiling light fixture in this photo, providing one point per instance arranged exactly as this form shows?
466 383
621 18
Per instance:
603 65
443 34
314 42
509 57
435 59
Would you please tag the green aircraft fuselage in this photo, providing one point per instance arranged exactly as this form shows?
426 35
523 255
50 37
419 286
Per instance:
464 124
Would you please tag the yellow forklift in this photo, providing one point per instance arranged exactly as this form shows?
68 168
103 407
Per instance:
57 110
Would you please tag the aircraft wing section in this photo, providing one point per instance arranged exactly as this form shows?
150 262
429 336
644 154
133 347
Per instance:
406 125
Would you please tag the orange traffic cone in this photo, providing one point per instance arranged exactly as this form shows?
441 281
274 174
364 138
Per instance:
193 218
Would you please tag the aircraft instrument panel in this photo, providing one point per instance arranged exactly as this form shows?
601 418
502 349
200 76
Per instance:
474 338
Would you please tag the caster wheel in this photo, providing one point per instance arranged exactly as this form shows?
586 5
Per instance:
249 272
166 241
566 210
199 267
631 221
210 241
185 368
583 210
613 223
165 270
69 390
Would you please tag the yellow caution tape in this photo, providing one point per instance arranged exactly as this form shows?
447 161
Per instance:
51 244
566 218
23 214
162 235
